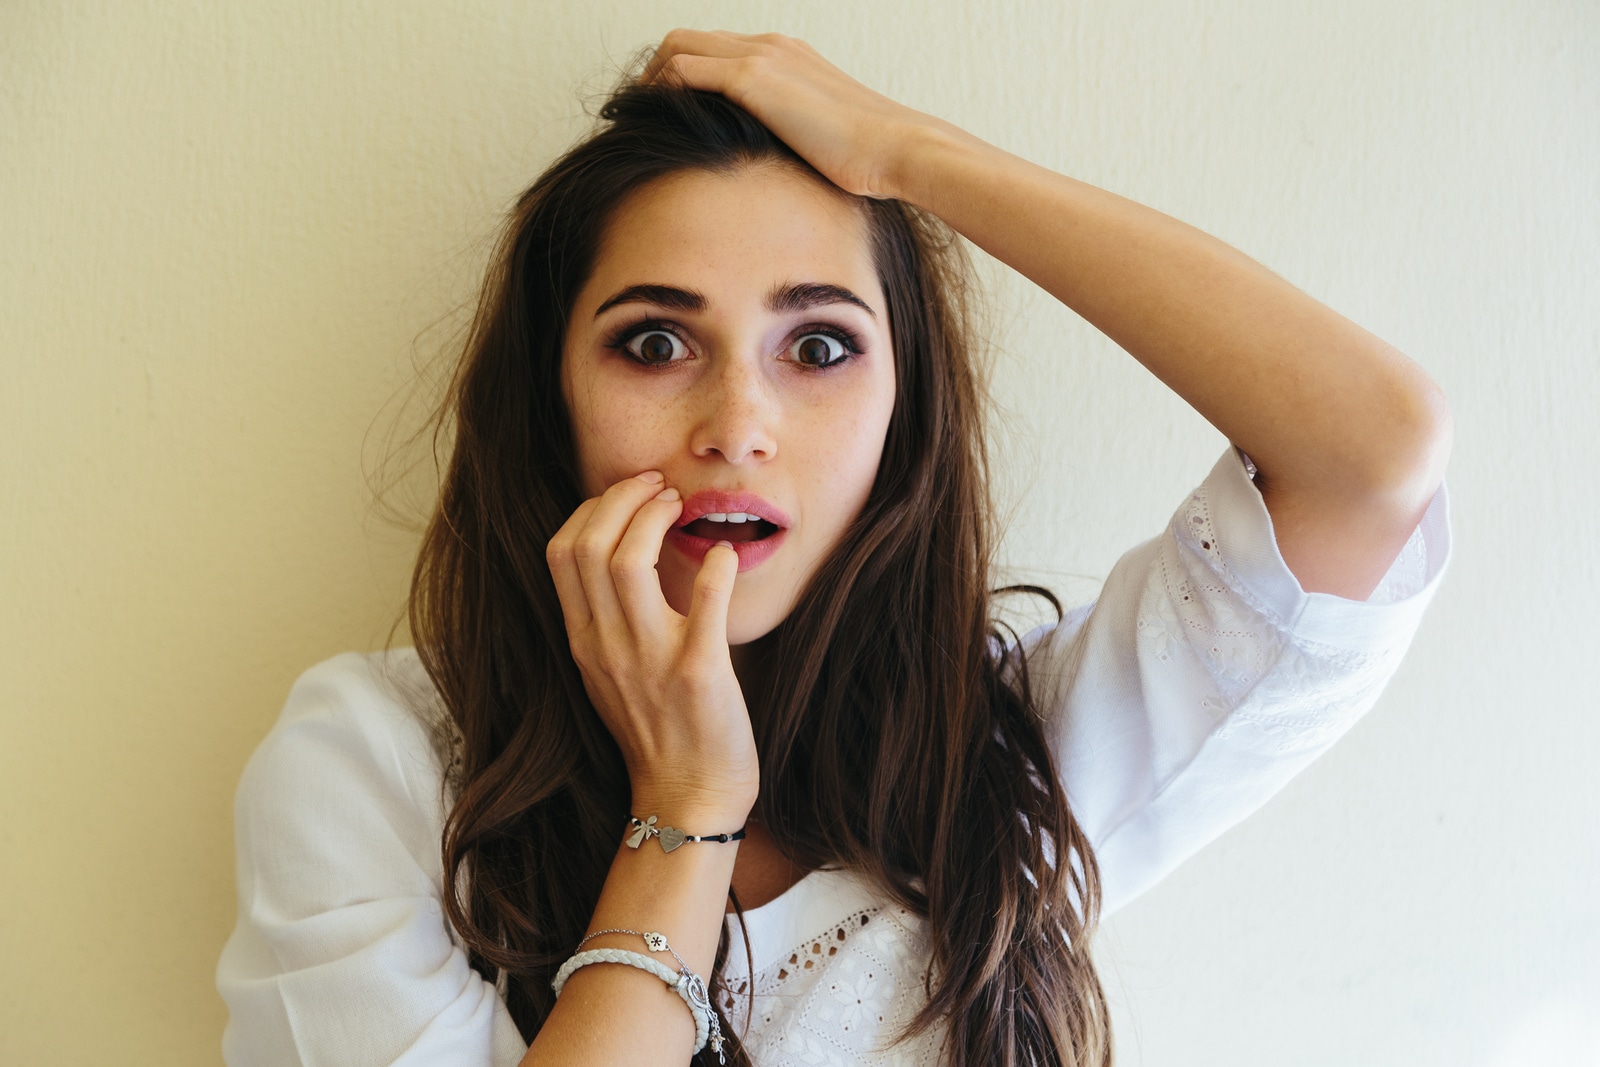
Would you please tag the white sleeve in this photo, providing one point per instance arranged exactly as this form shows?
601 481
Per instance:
342 954
1204 677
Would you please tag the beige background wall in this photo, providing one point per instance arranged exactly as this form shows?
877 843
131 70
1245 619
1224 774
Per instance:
227 231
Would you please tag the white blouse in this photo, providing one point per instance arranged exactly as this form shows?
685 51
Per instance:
1201 680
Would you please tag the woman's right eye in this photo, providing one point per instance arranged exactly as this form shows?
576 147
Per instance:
656 347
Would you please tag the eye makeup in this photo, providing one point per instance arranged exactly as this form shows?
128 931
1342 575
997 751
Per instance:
619 338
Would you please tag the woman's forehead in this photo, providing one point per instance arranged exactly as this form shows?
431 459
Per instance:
739 234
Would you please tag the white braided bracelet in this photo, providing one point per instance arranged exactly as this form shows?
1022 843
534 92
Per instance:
685 983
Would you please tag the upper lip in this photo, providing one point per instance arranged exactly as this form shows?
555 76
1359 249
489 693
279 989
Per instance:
723 502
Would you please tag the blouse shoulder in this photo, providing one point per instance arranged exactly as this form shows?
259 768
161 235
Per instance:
341 952
358 734
1204 677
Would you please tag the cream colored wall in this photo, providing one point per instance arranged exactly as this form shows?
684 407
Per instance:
227 229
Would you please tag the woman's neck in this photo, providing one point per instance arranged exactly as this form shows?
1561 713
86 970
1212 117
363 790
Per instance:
751 664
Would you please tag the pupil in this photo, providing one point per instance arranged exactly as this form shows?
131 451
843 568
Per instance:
814 350
656 347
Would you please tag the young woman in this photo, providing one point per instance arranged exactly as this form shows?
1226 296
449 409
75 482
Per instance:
705 640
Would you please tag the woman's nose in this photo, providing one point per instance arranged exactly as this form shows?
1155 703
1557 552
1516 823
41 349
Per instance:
738 415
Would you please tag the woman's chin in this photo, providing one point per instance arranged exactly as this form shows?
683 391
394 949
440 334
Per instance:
744 631
757 609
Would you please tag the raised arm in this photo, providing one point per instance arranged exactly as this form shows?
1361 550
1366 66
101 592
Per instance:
1350 436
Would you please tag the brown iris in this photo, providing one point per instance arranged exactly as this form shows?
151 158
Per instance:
814 352
655 348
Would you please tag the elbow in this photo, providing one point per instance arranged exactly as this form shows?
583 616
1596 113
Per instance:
1416 447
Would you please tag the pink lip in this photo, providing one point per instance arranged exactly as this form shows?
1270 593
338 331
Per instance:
715 502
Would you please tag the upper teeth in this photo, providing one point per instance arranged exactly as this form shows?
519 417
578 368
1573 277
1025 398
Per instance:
732 516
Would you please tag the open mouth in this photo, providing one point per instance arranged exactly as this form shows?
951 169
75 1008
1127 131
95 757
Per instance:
737 528
754 527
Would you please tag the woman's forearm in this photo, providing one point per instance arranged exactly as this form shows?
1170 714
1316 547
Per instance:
1349 434
612 1013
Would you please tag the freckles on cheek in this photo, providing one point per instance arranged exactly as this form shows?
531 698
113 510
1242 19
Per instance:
619 440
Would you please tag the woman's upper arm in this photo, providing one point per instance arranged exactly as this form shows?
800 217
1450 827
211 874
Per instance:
341 953
1204 677
1341 538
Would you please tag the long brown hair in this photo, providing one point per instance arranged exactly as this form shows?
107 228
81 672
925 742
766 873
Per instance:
897 730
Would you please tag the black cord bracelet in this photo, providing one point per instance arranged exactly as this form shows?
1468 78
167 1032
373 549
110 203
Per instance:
670 837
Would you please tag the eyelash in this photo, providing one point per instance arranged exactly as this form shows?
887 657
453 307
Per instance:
618 340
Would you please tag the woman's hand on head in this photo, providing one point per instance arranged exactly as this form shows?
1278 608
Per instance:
662 683
853 136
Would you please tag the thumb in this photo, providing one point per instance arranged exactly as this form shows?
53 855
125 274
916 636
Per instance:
713 590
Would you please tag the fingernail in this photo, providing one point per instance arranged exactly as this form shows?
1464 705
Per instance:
725 544
652 476
668 494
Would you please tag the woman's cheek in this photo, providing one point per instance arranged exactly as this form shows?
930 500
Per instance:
618 435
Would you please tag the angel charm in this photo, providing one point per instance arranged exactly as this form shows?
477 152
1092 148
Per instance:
642 830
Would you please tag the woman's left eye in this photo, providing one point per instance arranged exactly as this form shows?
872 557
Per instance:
820 350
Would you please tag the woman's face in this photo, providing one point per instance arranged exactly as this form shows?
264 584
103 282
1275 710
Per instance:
733 336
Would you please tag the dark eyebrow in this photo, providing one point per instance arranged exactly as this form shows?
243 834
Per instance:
807 295
785 298
666 296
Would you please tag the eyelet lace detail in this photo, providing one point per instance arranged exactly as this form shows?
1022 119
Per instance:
841 997
1407 574
1287 693
1207 613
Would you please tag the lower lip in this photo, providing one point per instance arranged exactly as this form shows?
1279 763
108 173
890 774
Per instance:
751 553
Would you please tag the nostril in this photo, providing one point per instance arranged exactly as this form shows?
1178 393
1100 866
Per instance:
734 445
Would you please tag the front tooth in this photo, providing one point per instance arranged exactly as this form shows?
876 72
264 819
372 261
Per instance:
737 516
717 517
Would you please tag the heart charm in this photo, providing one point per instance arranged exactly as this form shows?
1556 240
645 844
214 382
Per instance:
670 838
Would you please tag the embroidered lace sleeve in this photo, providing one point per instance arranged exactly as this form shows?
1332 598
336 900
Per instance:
1204 677
341 953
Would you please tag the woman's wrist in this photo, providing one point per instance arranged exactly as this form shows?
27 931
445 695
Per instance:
681 896
694 811
924 161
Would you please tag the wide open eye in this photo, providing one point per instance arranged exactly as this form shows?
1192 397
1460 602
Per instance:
656 347
820 350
